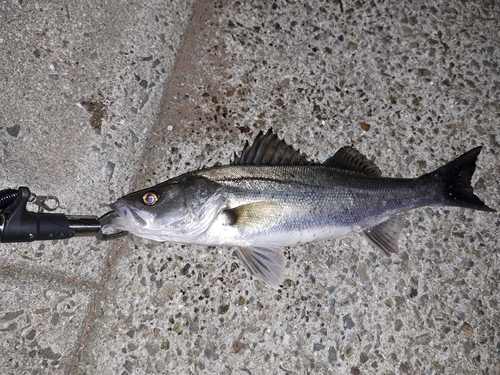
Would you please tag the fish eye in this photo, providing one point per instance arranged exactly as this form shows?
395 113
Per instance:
150 198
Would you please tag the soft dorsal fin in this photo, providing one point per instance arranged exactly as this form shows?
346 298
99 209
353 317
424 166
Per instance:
351 159
268 149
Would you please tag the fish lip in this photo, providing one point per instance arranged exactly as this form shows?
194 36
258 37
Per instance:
124 210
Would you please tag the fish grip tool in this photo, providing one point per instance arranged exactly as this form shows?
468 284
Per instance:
18 224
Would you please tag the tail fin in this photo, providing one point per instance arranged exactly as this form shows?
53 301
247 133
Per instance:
456 179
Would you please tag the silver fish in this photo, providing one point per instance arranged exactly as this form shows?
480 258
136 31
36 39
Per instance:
273 196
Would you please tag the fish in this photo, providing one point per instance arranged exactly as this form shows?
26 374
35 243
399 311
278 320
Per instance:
273 196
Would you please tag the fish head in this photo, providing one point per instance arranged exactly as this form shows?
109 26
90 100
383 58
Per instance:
178 210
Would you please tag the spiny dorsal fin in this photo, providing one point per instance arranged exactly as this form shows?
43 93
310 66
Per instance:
268 149
385 236
351 159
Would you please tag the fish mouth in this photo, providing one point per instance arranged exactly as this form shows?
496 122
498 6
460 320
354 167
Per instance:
126 213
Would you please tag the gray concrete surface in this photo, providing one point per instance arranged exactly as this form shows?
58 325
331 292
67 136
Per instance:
81 87
92 107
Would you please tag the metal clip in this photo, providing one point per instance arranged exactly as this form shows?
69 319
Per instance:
104 220
44 202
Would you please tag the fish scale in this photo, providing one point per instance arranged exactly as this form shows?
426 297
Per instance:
317 201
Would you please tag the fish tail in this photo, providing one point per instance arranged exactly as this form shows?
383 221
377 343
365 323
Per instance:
455 178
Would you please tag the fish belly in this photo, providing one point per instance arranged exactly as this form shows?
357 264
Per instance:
220 233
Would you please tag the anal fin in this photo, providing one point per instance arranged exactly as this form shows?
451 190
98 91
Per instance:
265 262
385 236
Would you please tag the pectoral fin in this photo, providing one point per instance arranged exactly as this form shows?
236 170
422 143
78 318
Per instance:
256 214
266 262
385 236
